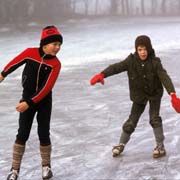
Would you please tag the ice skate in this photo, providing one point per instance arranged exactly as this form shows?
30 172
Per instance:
117 150
159 151
46 173
13 175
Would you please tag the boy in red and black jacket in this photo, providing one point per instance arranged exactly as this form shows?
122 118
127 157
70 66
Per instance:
40 73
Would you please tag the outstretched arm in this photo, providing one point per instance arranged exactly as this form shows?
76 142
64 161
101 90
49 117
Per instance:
15 63
116 68
109 71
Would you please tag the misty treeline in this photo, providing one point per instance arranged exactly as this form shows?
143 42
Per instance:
42 10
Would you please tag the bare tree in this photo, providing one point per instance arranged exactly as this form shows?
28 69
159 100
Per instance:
142 7
127 7
123 7
163 7
73 4
178 6
114 7
86 5
3 12
153 7
96 6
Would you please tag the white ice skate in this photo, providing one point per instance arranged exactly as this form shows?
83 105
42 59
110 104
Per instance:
46 173
13 175
117 150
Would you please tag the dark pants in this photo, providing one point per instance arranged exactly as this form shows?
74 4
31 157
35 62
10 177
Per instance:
43 110
136 111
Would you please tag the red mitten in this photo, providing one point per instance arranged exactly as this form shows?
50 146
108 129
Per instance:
97 78
175 102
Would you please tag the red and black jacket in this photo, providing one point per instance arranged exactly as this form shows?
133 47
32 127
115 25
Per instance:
39 75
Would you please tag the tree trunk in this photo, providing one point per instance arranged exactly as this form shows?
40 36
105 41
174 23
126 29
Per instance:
3 10
127 7
153 7
74 6
68 6
163 6
123 7
142 7
86 4
114 7
96 7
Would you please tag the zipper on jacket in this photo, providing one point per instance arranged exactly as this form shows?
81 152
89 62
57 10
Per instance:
37 80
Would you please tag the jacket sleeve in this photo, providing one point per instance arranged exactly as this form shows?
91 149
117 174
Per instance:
116 68
46 87
164 77
15 63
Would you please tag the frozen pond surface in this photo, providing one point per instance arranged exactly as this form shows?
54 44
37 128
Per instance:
86 120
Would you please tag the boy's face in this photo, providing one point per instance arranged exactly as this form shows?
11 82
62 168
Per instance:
142 52
52 48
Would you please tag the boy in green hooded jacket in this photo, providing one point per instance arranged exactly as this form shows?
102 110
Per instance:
146 80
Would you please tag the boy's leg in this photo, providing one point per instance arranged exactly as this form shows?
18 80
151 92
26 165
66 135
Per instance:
25 123
129 127
18 152
46 161
156 123
43 119
159 135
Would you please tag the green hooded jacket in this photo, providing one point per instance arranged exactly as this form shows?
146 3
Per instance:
146 78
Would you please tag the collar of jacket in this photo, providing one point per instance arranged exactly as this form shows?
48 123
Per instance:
47 56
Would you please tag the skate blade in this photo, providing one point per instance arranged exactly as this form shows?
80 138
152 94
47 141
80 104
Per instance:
159 155
115 155
50 178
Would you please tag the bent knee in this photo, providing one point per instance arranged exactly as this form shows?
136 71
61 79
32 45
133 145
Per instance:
128 128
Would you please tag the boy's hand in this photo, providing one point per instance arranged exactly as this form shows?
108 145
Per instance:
97 78
1 77
21 107
175 102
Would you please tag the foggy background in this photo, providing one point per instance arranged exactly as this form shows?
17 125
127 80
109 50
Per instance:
26 11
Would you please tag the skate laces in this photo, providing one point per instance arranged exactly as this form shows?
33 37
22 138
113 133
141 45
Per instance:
13 174
46 170
121 145
159 147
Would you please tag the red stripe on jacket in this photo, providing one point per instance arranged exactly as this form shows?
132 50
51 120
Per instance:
33 55
16 62
49 83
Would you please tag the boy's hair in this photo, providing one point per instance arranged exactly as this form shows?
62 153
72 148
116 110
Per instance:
50 34
144 40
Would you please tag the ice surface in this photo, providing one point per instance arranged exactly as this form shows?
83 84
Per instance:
87 120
